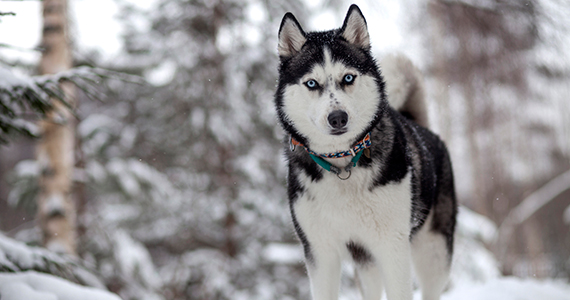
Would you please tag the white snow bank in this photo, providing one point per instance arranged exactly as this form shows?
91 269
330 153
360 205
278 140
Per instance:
509 288
475 226
280 253
32 285
472 261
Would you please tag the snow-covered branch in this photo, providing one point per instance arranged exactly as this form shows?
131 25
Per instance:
19 95
16 256
36 273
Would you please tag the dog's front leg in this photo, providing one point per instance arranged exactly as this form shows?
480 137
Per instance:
324 273
395 260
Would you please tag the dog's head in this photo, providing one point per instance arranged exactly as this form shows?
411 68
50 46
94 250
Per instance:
330 92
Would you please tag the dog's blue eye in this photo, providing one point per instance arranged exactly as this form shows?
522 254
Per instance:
348 78
312 84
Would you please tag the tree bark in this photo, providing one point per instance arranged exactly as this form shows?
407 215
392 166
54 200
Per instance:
56 211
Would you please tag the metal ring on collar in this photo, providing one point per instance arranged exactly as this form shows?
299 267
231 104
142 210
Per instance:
344 178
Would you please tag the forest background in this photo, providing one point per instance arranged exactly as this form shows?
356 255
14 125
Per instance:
179 177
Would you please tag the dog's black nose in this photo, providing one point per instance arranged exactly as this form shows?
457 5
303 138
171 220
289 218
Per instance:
338 119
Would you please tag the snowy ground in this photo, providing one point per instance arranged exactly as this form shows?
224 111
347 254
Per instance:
510 288
32 285
503 288
38 286
475 274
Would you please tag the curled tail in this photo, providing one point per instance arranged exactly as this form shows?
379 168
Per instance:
405 88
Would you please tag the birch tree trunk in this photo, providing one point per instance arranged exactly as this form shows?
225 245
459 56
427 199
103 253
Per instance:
56 211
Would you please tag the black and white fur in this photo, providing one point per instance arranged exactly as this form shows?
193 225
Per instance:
398 207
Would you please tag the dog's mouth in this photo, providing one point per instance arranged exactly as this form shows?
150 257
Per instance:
338 131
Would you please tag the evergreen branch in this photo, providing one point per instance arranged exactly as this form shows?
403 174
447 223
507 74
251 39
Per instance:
16 256
36 93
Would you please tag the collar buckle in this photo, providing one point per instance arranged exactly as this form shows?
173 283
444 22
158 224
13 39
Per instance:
352 152
292 146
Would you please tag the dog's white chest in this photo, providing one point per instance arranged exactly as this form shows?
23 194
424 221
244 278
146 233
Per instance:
335 211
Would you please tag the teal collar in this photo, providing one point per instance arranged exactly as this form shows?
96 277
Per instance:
334 169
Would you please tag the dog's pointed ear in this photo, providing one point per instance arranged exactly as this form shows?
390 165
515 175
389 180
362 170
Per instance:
291 36
354 29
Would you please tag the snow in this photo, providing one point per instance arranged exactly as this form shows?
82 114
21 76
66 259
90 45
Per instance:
95 122
16 256
504 288
26 168
283 253
54 204
162 74
32 285
135 260
26 257
471 224
126 179
510 288
472 262
10 79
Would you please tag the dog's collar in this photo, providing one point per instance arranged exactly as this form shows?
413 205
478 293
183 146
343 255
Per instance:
356 152
361 145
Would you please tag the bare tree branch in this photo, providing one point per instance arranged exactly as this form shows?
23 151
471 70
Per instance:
529 206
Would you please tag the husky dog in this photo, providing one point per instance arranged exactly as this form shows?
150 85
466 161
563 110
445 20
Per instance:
367 181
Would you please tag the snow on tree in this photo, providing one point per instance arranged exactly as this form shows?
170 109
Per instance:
17 257
20 96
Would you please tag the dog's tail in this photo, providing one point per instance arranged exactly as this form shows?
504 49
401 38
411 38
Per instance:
405 88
